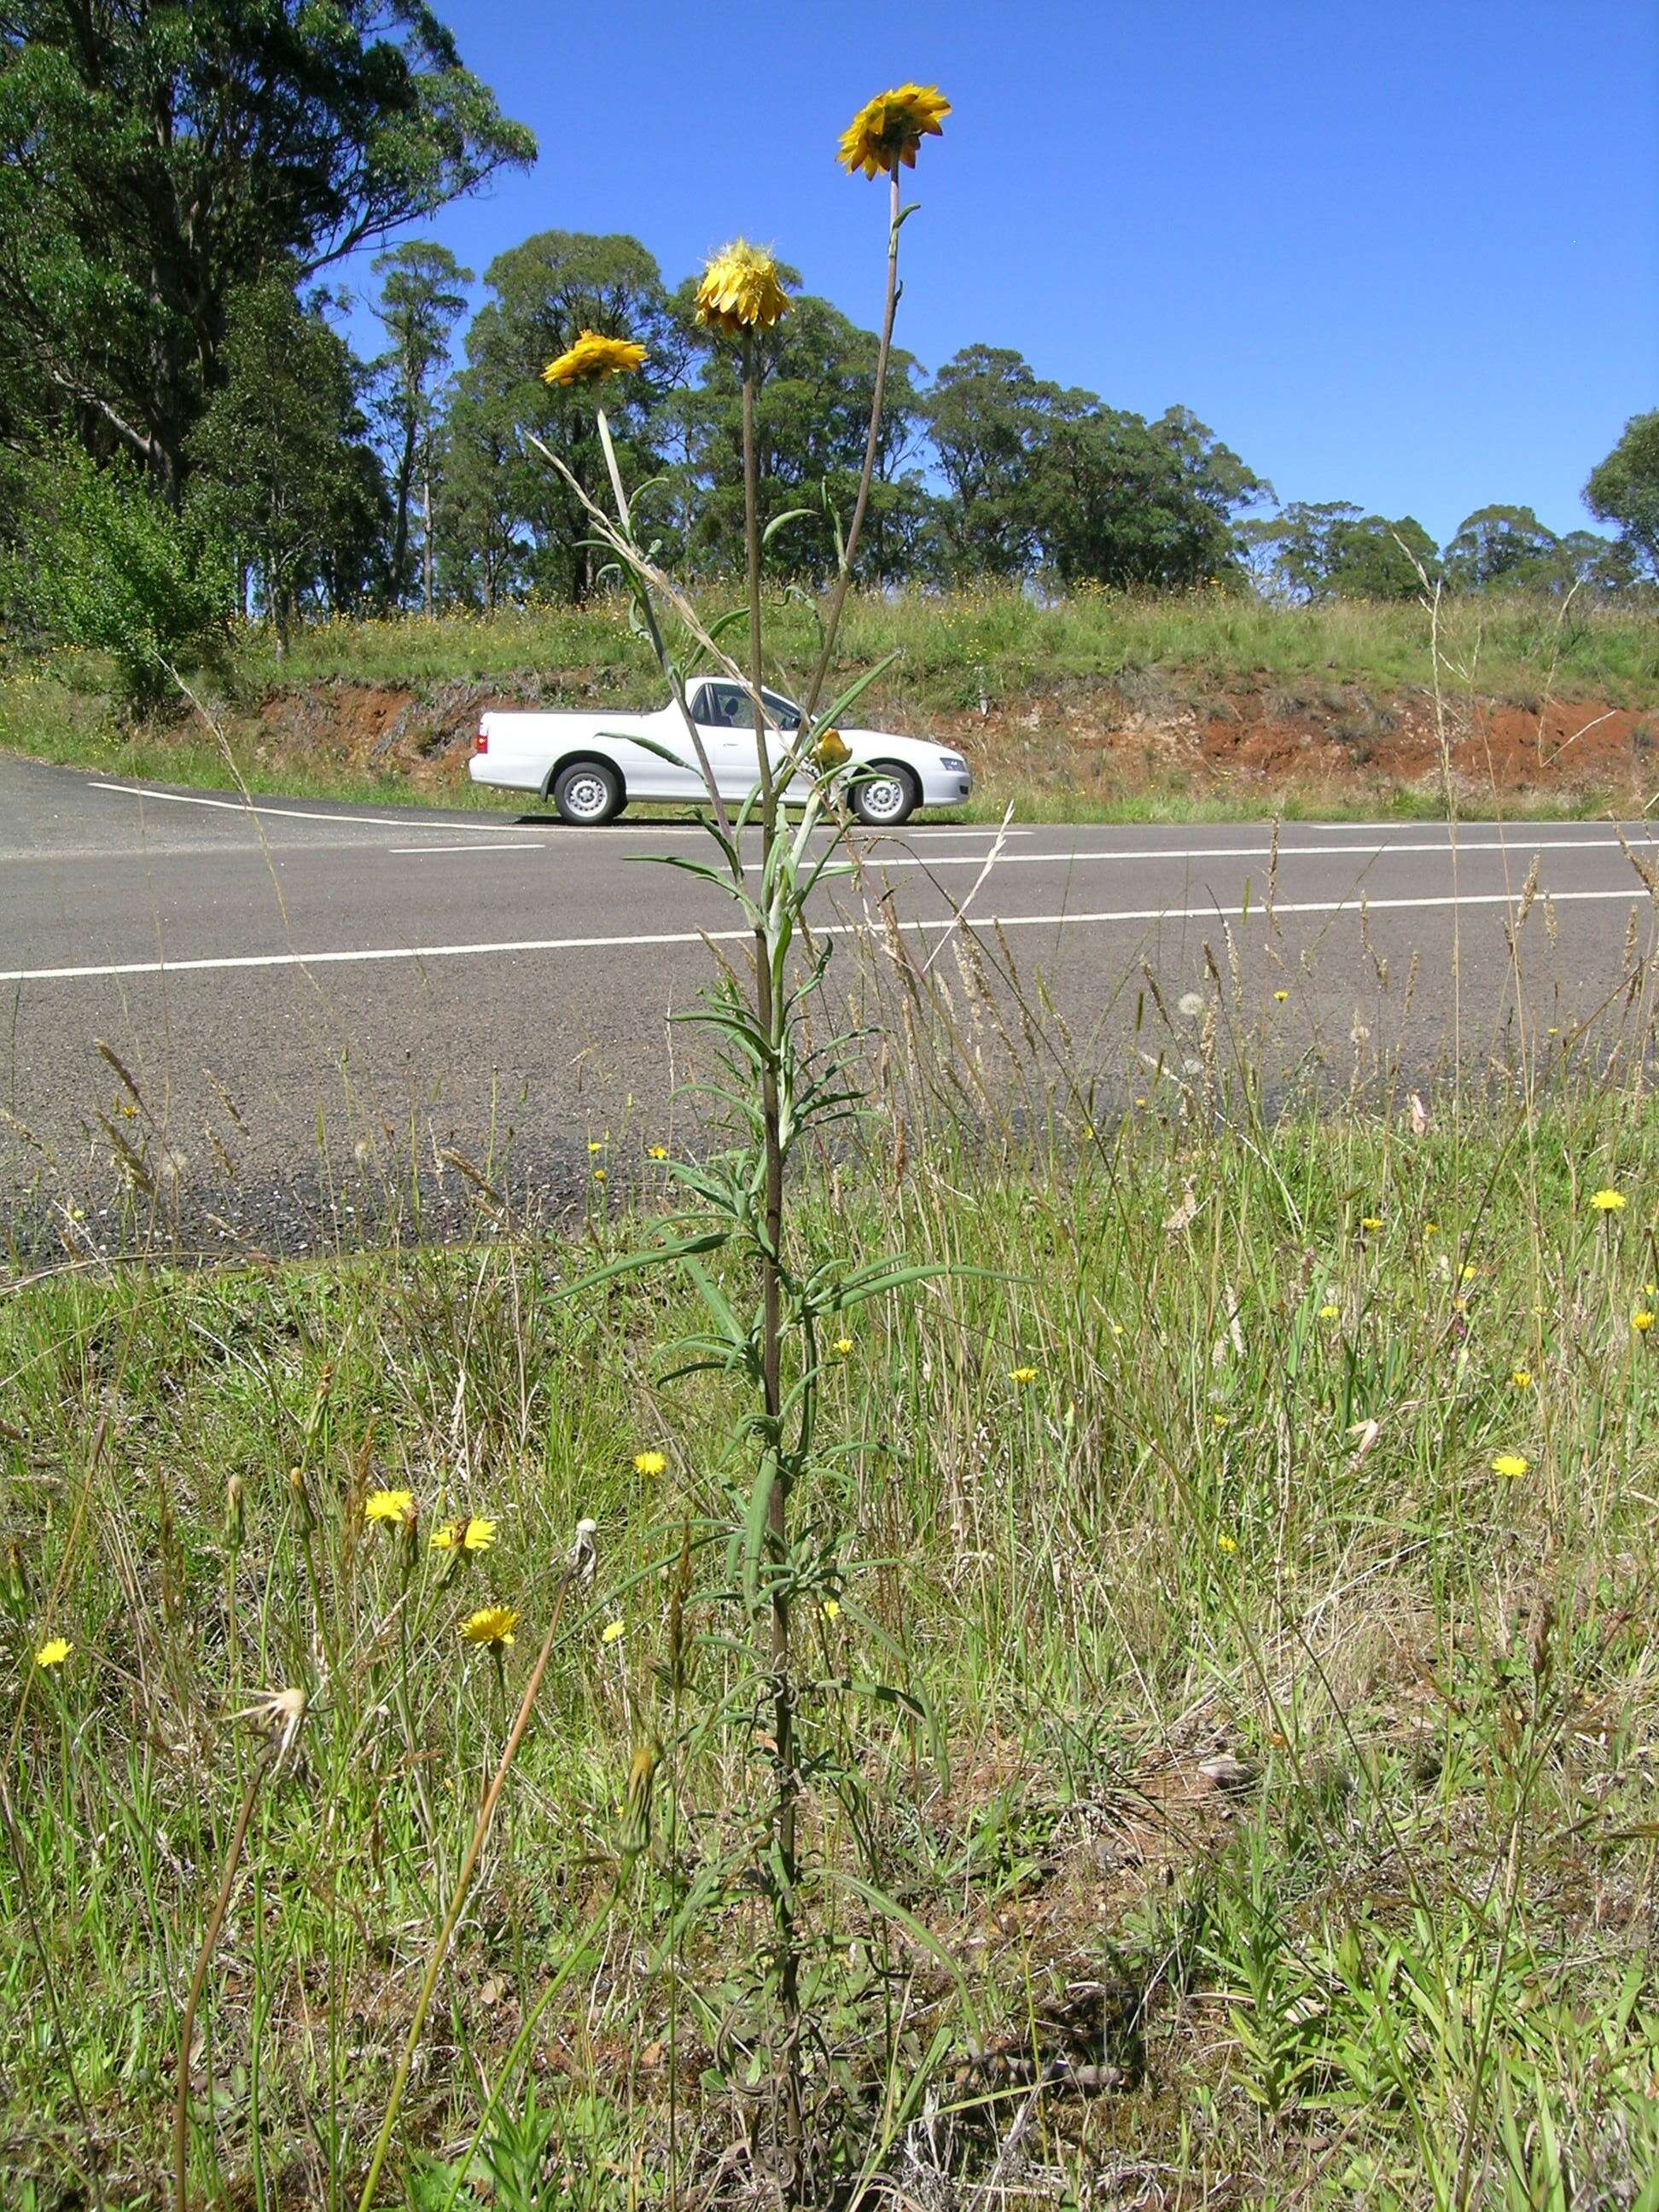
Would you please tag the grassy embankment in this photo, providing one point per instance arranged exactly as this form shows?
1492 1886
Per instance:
1209 1463
1096 707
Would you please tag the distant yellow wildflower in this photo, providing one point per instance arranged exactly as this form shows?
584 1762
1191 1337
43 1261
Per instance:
1513 1464
592 359
1430 1228
1521 1377
1607 1201
831 1609
600 1175
1226 1543
657 1152
741 289
614 1631
1280 997
1330 1313
1370 1221
53 1652
649 1462
1021 1375
1641 1321
465 1535
1469 1272
843 1346
889 129
595 1145
387 1505
492 1625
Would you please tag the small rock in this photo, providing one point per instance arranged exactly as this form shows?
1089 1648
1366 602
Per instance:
1227 1772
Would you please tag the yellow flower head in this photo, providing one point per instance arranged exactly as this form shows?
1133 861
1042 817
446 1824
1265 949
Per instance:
657 1152
1521 1378
1641 1321
889 129
592 359
387 1505
1226 1543
614 1631
1608 1202
1021 1375
649 1462
843 1346
1370 1221
1513 1464
741 289
831 1608
468 1535
1330 1313
600 1175
53 1652
492 1625
1280 997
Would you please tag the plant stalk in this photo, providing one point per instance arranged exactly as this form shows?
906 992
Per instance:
770 1013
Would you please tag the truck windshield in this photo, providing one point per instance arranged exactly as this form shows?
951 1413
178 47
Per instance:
729 706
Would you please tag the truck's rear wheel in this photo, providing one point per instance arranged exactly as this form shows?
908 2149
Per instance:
884 796
587 793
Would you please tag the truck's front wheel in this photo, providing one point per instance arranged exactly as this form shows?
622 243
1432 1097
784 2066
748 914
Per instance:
587 793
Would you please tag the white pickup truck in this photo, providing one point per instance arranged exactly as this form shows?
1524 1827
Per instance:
591 766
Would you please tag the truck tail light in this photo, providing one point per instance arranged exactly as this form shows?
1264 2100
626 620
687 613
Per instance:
481 742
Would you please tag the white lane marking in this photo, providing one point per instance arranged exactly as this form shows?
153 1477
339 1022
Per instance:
511 845
1156 913
397 822
283 813
1519 850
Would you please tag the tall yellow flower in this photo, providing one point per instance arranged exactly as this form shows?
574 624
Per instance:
53 1652
889 129
492 1625
1608 1202
387 1505
468 1535
592 359
741 289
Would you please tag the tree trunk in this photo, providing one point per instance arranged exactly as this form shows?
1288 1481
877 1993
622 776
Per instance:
426 533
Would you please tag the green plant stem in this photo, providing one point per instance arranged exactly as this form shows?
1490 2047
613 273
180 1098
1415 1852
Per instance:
463 1884
198 1981
769 1010
844 576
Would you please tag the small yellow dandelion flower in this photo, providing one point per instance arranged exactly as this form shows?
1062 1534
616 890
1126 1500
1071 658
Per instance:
657 1152
1219 1419
467 1535
592 359
1641 1321
1370 1221
598 1175
614 1631
1430 1228
831 1609
1021 1375
890 128
1521 1377
492 1625
843 1346
649 1462
387 1505
1469 1272
53 1652
1607 1202
1280 997
1226 1543
1140 1102
1513 1464
741 289
1330 1313
595 1145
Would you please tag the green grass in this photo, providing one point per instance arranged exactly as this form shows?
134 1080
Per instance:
992 650
1245 1505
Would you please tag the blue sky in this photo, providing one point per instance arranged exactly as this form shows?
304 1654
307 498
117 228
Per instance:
1400 253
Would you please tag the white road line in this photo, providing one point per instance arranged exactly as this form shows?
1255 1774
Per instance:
417 953
1519 850
512 845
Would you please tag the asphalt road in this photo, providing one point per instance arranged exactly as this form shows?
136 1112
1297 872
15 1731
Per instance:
316 1008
